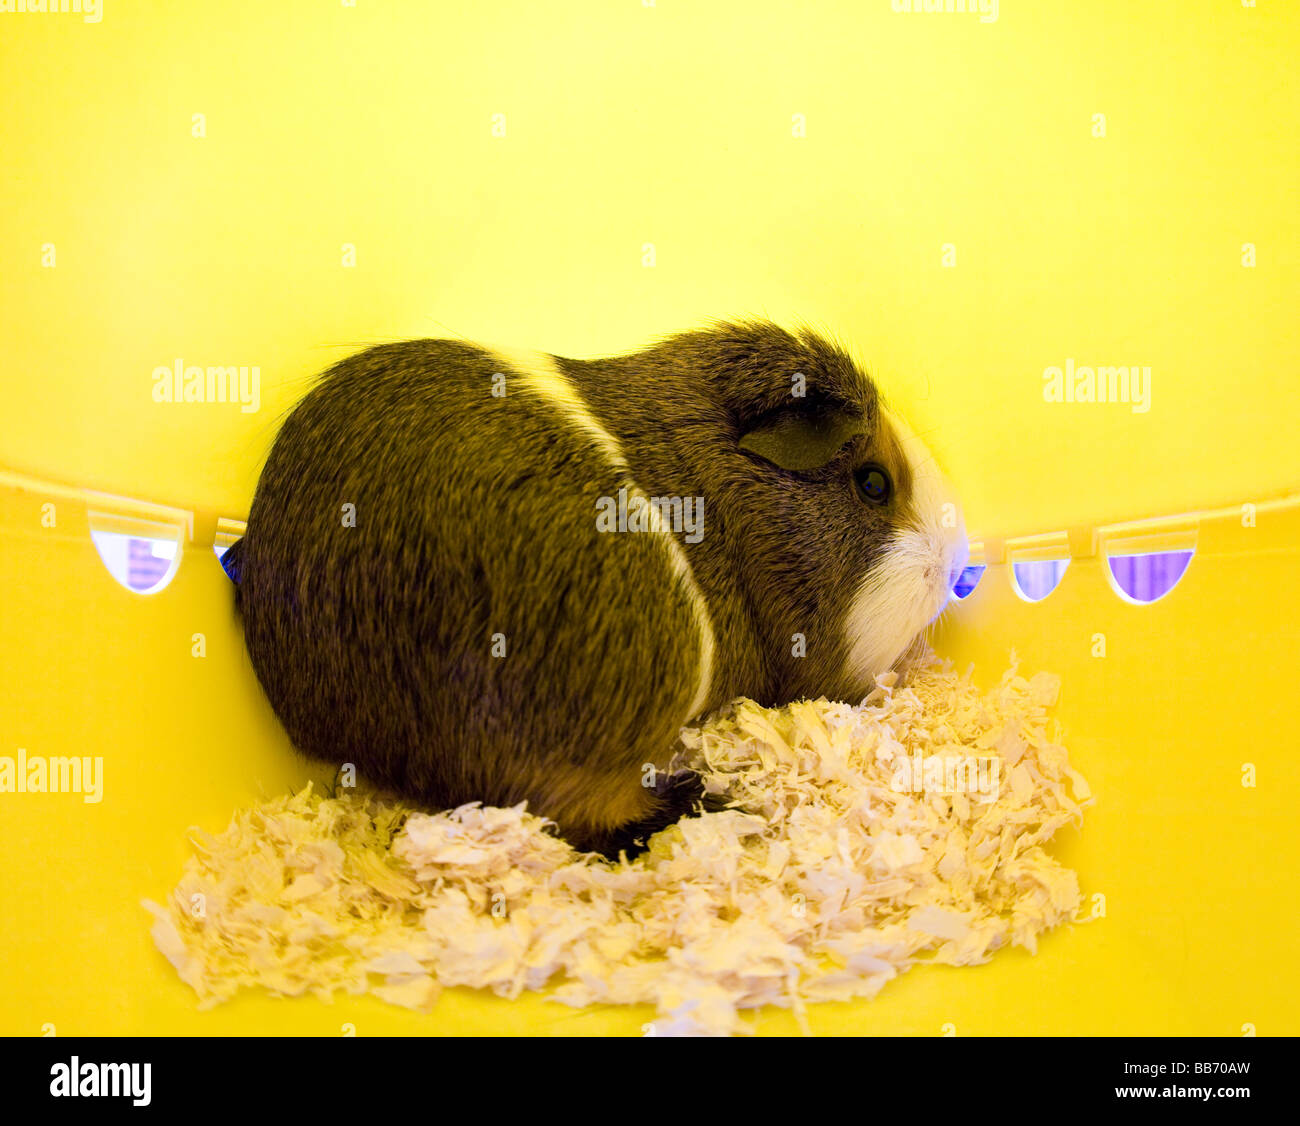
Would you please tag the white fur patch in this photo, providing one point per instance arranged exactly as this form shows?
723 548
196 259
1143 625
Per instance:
541 375
909 587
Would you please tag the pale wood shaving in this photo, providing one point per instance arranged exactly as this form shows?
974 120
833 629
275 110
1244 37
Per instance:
823 882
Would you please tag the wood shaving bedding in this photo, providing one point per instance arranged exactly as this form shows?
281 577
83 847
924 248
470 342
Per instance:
839 866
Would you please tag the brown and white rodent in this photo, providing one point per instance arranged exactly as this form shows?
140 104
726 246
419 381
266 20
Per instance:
428 590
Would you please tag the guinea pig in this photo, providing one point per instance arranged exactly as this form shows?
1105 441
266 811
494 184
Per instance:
508 576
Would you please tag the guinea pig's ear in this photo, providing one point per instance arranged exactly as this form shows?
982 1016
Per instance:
806 436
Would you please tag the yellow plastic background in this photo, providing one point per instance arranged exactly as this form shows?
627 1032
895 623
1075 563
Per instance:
669 125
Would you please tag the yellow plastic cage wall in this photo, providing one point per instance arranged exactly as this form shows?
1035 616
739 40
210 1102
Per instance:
970 199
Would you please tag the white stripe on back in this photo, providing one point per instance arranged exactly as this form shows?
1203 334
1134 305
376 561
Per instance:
542 376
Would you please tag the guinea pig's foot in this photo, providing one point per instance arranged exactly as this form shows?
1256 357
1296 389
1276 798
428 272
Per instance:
678 793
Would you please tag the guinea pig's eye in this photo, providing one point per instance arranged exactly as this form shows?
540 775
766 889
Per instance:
874 484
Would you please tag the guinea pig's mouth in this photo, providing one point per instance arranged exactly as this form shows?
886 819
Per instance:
900 597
